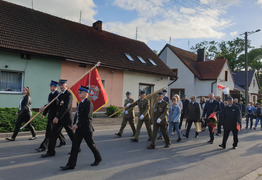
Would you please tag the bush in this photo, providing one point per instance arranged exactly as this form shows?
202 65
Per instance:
8 119
112 109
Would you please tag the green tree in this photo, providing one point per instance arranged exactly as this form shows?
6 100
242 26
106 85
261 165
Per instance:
231 50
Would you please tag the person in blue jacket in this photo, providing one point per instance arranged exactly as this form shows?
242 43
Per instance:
250 112
174 118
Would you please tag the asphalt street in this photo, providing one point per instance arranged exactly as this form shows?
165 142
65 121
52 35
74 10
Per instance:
192 158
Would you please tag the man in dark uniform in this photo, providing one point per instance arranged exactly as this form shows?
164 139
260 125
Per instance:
62 119
185 102
83 130
51 110
231 118
221 107
160 121
165 97
143 116
129 115
210 107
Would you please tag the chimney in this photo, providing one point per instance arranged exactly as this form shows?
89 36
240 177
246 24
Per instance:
98 25
201 55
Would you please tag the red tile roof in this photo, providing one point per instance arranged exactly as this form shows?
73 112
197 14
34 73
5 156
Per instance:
207 70
26 30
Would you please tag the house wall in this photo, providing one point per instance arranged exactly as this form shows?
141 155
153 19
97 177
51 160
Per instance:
38 72
132 80
185 76
253 88
113 80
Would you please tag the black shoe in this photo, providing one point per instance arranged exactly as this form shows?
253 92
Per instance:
61 144
185 136
118 134
159 137
178 140
134 140
32 138
234 147
151 147
96 162
210 142
10 139
40 149
167 145
221 145
47 155
149 139
67 167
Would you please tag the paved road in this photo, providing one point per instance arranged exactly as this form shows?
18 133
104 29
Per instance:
190 159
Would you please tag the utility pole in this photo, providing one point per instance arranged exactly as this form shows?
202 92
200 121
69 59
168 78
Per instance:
246 71
32 1
136 32
80 18
246 64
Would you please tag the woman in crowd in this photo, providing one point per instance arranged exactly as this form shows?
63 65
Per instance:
24 114
174 118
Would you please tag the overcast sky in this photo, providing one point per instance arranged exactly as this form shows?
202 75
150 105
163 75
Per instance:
185 22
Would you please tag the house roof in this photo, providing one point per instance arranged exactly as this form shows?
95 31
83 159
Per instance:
239 77
206 70
27 30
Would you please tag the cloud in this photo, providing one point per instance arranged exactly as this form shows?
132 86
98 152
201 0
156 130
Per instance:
162 20
66 9
215 2
233 33
259 2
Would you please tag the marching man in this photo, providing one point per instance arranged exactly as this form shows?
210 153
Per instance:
83 130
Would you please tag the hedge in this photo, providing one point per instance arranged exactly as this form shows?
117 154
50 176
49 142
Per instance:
112 109
8 119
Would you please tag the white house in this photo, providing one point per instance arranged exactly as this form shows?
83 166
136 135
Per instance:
253 84
196 76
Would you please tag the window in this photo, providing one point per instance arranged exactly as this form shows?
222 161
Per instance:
175 74
141 59
226 74
11 82
104 83
148 88
180 92
152 62
129 57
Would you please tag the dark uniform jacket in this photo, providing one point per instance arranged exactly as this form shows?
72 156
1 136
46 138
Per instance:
25 106
210 108
85 116
130 110
185 105
193 112
64 110
143 106
52 108
160 111
259 113
230 116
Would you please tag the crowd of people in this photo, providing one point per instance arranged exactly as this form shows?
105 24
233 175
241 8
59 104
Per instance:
169 115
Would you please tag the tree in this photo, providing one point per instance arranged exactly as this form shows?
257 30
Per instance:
231 50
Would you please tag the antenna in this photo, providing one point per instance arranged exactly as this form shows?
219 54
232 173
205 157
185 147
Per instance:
188 43
136 32
32 1
80 17
170 40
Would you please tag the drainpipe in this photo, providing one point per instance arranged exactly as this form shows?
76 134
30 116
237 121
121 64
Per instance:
173 81
212 85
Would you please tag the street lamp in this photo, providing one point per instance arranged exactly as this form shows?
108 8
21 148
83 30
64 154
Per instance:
246 64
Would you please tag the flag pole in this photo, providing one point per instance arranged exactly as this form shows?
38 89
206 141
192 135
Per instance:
151 94
97 64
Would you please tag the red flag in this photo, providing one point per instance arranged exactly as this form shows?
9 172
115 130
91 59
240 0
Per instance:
97 92
238 127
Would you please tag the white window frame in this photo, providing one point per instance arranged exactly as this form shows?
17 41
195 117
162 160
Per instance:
22 82
129 57
141 59
152 62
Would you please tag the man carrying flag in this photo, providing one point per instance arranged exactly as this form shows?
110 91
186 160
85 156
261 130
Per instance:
97 92
231 121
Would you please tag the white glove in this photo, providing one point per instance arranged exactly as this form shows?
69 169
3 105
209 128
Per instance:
158 120
126 112
128 105
142 117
